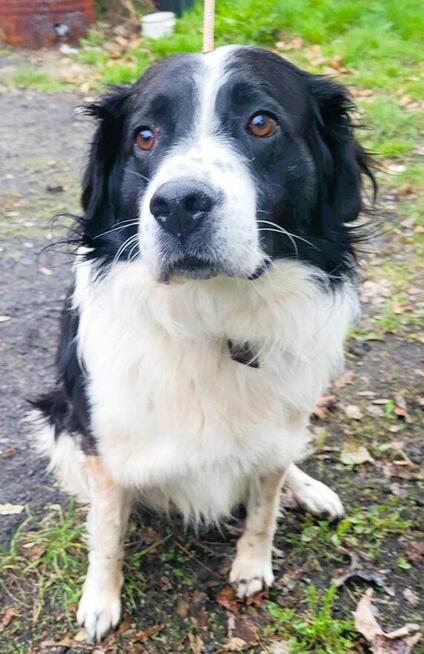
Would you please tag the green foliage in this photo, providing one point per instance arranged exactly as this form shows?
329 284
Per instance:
394 130
317 630
362 528
56 559
30 77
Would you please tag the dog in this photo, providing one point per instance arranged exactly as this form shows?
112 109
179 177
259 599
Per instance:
213 287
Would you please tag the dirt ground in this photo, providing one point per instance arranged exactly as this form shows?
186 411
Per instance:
182 598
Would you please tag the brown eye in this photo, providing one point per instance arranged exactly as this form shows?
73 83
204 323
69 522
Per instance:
145 138
262 125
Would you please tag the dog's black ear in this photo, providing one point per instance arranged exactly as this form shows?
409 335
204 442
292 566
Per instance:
98 182
340 161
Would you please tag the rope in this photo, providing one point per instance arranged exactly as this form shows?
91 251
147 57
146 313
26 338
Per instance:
208 25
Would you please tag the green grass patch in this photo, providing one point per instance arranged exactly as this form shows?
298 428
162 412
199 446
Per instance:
317 630
50 560
30 77
394 130
362 529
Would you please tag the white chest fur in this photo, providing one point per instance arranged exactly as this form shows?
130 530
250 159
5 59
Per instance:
174 415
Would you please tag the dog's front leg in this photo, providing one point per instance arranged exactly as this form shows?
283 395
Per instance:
252 567
99 610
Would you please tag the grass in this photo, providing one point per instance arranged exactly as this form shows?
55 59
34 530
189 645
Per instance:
317 630
51 559
366 529
378 39
30 77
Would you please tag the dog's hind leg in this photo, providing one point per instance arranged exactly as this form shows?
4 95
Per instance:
252 567
99 610
312 495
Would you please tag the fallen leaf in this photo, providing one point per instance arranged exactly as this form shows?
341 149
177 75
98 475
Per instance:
228 599
11 509
8 617
182 608
401 409
33 551
353 411
196 643
400 641
282 647
258 599
364 575
243 627
81 636
353 454
149 632
375 410
235 645
324 405
67 642
411 597
415 553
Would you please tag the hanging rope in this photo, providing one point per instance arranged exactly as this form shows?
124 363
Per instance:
208 25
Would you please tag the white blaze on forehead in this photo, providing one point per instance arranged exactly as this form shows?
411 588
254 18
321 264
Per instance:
206 154
212 76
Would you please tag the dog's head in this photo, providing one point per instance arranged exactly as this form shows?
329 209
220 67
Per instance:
221 163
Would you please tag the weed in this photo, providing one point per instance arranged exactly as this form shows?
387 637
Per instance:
317 630
364 529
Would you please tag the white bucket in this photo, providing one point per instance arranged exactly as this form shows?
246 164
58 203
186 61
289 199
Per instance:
161 23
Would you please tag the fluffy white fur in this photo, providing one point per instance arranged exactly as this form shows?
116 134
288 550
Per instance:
175 417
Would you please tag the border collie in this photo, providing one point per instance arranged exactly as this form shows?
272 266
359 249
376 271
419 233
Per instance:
213 288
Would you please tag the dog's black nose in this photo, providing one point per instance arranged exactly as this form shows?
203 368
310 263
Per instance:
180 207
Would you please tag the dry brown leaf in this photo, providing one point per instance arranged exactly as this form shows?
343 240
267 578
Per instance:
8 617
401 409
235 645
353 411
66 641
324 405
354 454
258 599
197 645
400 641
411 597
33 551
149 632
415 553
228 599
282 647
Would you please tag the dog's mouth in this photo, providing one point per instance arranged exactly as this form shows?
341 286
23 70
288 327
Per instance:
193 268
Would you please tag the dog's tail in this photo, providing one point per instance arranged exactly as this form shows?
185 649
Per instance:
47 420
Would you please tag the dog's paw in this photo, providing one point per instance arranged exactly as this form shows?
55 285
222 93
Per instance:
317 498
249 575
99 612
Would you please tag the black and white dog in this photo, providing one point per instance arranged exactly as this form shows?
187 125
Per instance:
213 290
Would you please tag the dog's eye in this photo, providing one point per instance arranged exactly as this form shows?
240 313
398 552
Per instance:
145 138
262 125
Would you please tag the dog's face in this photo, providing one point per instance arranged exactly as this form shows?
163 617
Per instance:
220 163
